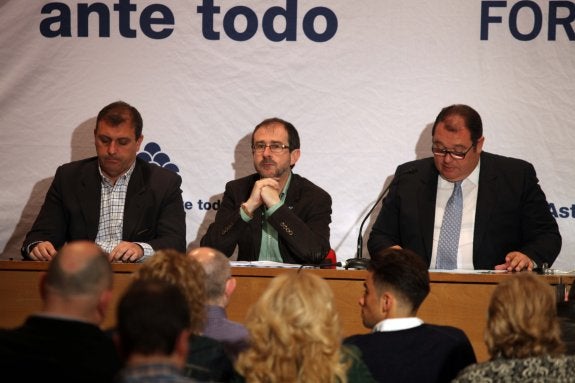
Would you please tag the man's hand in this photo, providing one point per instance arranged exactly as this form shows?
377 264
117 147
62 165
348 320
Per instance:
126 252
44 251
516 261
263 193
270 195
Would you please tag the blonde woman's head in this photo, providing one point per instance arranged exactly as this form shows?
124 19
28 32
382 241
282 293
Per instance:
188 274
522 319
295 333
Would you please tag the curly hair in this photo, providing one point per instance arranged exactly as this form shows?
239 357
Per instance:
295 333
188 274
522 319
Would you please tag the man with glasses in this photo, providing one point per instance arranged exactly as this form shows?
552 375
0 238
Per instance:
496 214
274 214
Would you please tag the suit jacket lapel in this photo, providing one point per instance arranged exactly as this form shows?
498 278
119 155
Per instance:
293 193
426 196
90 190
135 201
486 197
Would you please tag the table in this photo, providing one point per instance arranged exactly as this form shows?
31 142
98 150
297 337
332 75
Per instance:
455 299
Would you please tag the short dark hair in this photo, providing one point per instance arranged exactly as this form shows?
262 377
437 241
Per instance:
470 116
293 136
118 112
151 315
402 271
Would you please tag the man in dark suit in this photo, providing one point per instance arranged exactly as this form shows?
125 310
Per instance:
273 215
127 206
400 346
63 342
506 223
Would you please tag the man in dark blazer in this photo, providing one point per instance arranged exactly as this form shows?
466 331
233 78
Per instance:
129 207
273 215
401 347
506 224
63 341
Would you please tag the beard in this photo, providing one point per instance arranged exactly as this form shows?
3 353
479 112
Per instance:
270 169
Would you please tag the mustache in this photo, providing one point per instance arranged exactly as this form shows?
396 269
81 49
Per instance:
267 162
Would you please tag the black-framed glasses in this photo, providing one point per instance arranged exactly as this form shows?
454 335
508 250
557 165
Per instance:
453 153
260 147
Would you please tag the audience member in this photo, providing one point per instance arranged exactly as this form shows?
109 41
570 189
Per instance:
220 286
295 336
523 337
126 205
63 342
566 315
207 357
401 348
274 214
496 218
153 331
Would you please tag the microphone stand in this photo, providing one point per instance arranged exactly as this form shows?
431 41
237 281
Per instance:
359 262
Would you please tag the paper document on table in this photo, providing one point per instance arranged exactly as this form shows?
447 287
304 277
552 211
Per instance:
267 264
468 271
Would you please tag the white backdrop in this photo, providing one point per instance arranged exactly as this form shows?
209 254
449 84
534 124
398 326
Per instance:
363 100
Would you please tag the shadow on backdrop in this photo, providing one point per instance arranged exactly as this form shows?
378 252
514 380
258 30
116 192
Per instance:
422 150
81 146
243 165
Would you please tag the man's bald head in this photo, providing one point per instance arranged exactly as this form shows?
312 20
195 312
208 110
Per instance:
218 271
79 268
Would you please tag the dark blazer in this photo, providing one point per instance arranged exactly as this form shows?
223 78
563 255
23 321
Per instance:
59 350
512 213
422 354
302 223
153 212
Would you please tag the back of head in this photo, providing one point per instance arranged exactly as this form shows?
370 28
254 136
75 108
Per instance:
295 332
403 272
218 271
522 319
177 269
151 316
80 268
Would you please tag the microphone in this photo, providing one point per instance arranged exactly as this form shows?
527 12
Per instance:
329 265
359 262
326 265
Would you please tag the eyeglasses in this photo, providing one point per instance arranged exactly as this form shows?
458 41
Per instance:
260 147
454 154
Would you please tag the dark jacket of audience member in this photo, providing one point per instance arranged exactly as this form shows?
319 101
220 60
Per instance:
401 348
63 342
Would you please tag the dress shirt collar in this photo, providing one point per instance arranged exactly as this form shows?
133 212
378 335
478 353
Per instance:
124 177
396 324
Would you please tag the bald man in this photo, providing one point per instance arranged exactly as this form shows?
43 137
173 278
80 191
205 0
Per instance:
63 341
220 286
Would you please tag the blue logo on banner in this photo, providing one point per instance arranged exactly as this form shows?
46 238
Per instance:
153 154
